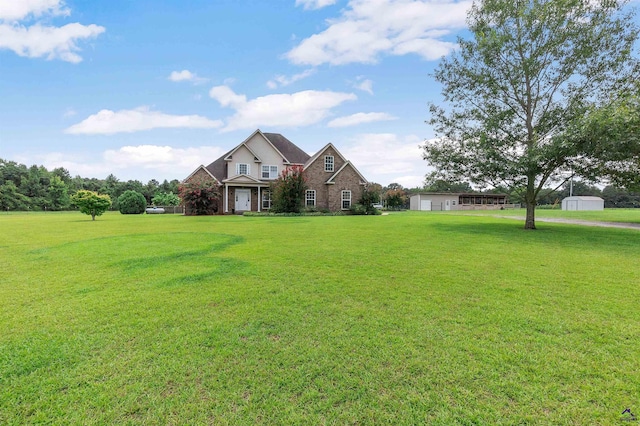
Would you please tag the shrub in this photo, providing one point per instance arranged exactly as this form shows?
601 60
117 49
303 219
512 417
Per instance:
365 205
131 202
287 192
200 196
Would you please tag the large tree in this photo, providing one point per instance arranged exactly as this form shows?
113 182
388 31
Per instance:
530 70
611 133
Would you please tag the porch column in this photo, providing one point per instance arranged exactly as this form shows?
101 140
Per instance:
259 200
226 198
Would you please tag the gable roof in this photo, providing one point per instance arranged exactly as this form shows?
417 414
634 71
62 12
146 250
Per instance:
243 144
319 153
347 163
291 152
196 171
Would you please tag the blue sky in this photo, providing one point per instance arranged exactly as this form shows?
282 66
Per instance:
153 88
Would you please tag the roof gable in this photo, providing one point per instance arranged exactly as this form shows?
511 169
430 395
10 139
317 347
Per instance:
290 152
201 167
331 180
242 179
318 154
242 145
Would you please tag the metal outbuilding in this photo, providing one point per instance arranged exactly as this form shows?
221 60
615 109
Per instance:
437 201
582 202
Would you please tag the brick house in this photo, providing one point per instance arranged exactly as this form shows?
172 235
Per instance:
246 172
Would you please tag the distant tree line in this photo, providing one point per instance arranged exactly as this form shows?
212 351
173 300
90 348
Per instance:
36 188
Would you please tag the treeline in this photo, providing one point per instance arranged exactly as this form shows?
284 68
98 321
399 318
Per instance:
36 188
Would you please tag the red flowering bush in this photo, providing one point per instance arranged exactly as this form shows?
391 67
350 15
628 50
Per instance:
288 191
200 196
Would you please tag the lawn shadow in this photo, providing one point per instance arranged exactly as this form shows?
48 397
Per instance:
558 235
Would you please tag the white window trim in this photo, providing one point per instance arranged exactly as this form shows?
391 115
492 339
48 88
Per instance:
307 199
332 164
243 164
272 171
266 196
345 192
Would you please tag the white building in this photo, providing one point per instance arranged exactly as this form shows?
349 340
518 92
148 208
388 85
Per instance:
581 202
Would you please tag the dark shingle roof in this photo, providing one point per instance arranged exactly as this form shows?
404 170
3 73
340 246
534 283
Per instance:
217 167
287 148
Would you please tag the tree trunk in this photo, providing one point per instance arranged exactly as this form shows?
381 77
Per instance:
530 220
530 203
93 217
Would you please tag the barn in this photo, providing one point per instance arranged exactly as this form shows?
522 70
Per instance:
582 202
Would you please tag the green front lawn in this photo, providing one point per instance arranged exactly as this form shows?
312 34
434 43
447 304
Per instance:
410 318
606 215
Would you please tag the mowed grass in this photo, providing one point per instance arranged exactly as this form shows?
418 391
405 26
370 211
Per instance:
606 215
411 318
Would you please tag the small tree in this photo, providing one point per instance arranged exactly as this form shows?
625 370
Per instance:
131 202
288 191
367 200
396 199
200 196
91 203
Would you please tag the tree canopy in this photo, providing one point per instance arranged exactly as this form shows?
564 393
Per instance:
517 89
91 203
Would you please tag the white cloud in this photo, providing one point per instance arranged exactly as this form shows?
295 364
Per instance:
227 97
278 110
365 86
369 28
40 40
51 42
161 157
15 10
360 118
386 158
69 112
283 80
186 75
141 162
107 122
314 4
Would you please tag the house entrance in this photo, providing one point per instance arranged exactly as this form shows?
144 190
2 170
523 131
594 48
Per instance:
243 200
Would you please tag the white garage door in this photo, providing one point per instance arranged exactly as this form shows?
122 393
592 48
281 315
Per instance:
425 205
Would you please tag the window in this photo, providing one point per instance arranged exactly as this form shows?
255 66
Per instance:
346 200
242 169
310 198
328 163
269 172
266 200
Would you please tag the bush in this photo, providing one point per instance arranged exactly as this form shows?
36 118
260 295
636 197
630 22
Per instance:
288 191
200 196
131 202
365 205
360 209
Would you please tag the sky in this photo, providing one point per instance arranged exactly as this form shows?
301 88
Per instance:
151 89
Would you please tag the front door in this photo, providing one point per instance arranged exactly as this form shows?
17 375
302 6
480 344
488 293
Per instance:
243 200
447 205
